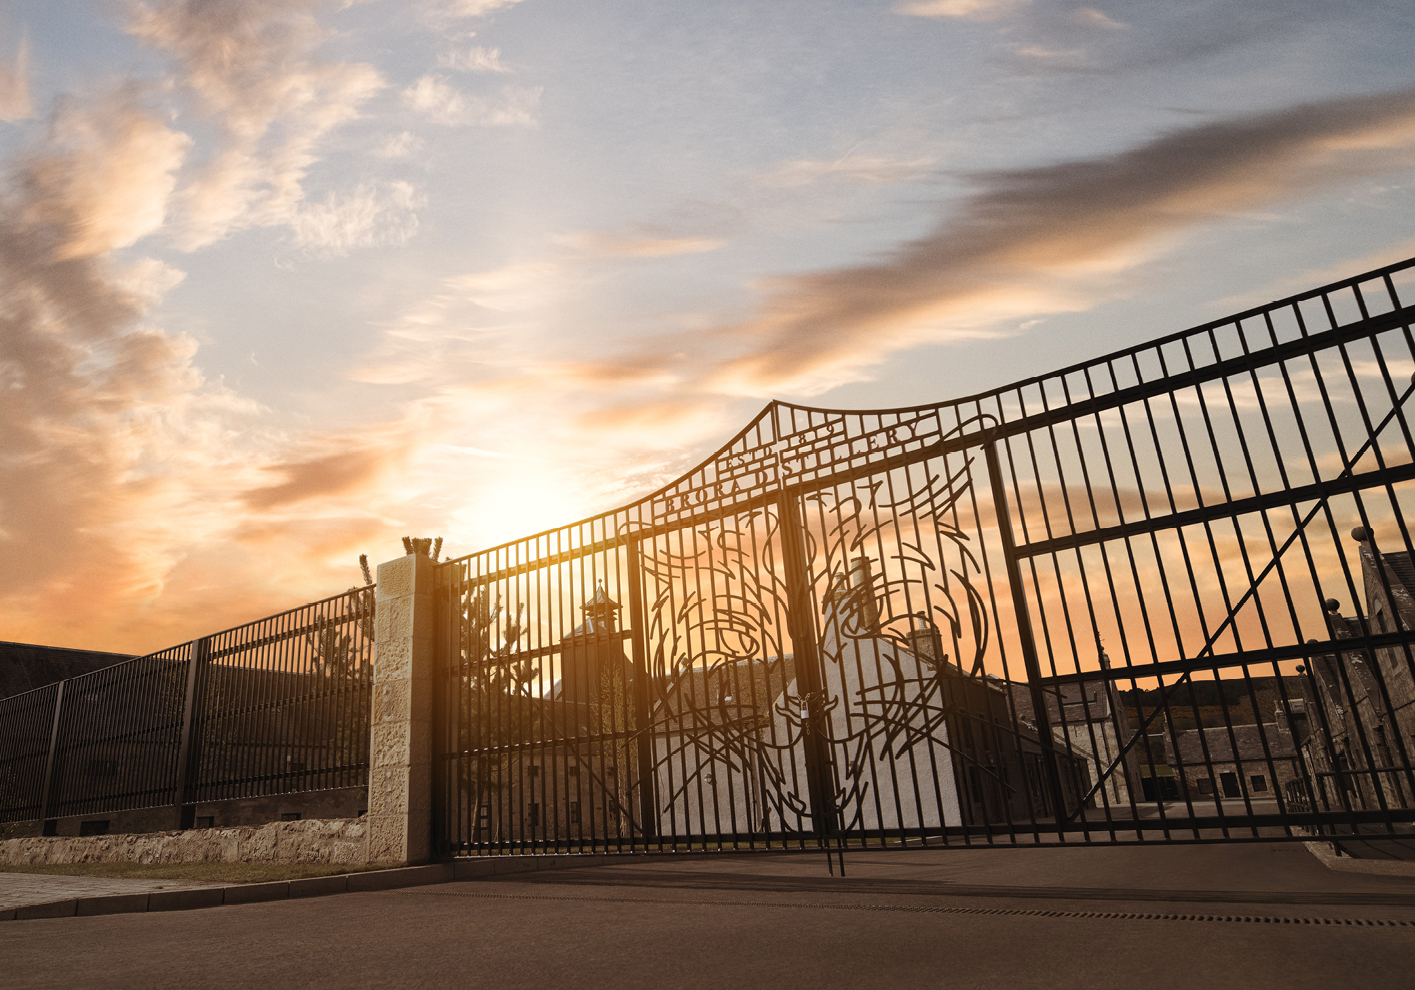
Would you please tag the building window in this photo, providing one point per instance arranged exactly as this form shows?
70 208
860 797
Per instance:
289 816
94 828
574 812
535 770
206 821
1260 783
572 771
1206 785
533 818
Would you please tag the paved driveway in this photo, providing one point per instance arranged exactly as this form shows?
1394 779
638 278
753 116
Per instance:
1131 918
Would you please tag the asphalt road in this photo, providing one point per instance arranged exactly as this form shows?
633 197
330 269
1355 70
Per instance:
1005 919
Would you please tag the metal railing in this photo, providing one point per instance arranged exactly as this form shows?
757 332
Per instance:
274 706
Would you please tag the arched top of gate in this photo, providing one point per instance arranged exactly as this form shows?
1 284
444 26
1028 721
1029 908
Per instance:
785 446
788 446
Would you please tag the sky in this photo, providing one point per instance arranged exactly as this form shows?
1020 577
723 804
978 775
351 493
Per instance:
282 281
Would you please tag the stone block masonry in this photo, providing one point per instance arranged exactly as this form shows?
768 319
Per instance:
339 842
400 751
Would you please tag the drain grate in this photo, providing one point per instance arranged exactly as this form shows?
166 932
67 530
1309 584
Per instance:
927 909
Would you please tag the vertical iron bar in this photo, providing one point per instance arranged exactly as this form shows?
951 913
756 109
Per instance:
800 617
443 695
648 798
1024 632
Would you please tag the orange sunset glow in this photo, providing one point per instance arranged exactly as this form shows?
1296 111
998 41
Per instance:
281 283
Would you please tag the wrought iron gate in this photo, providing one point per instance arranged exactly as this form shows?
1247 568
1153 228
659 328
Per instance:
1113 604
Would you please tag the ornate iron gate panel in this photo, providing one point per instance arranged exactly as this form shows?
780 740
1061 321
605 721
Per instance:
1118 603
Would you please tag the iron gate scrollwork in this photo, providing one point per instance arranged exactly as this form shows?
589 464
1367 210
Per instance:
1165 595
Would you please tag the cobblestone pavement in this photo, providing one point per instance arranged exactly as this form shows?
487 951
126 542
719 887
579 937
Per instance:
23 889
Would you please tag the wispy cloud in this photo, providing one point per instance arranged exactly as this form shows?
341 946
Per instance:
372 215
977 10
621 246
1091 17
106 175
14 86
1047 239
450 9
251 66
353 467
863 169
444 104
473 59
113 449
402 145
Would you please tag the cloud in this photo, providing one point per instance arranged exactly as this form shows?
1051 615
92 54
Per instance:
106 177
349 469
632 370
474 59
1300 281
402 145
447 338
860 169
652 423
1042 52
975 10
445 104
250 65
372 215
1046 239
14 86
470 8
113 449
518 286
128 480
612 246
1091 17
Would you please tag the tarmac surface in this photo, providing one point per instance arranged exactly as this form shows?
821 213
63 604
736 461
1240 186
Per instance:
1216 916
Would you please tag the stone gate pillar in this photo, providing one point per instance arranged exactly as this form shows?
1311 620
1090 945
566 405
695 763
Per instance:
400 750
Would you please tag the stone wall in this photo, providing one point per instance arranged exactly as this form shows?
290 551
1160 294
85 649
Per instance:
333 841
344 802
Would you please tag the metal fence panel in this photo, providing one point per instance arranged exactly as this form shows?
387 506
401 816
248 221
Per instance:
26 728
275 706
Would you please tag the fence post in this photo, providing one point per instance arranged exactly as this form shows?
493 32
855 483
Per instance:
46 796
186 811
400 742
